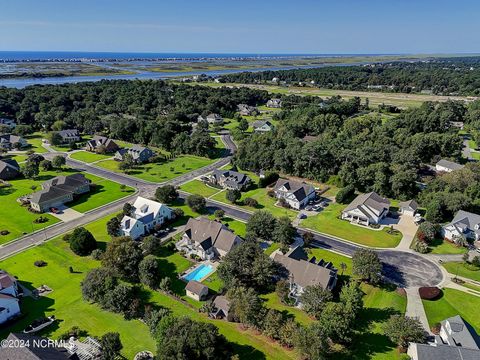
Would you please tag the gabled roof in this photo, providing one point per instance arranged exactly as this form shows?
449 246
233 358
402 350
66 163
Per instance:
371 200
210 233
6 280
450 165
444 352
260 123
195 287
68 133
32 352
410 204
299 190
460 333
127 223
221 303
230 176
306 273
9 166
465 218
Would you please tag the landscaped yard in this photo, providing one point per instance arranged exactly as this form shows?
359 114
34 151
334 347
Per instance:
36 141
162 171
440 246
89 157
199 187
328 222
68 306
453 302
460 269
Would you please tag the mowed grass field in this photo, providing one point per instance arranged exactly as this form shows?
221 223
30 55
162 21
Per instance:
35 140
18 220
460 269
198 187
162 171
71 310
327 222
453 302
89 157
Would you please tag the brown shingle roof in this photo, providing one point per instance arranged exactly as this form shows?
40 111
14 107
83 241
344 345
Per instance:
195 287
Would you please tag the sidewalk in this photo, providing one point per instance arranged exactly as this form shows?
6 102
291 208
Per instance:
415 307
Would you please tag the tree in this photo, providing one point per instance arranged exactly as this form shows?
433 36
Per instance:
54 138
113 226
250 202
166 194
427 232
111 346
165 284
284 232
261 225
128 209
82 242
184 338
243 124
288 332
58 161
58 125
30 170
403 330
196 202
149 272
219 214
46 165
312 342
352 297
151 245
123 255
282 289
245 306
247 265
273 323
338 322
367 266
127 163
124 299
233 195
97 284
345 194
307 237
314 298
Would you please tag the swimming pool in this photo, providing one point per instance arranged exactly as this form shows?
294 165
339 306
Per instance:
199 273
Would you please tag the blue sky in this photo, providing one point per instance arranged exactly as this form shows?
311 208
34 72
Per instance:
261 26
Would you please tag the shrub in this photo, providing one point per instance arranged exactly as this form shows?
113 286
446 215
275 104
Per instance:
429 293
344 195
251 202
196 202
219 213
4 232
40 263
420 247
97 254
271 193
82 242
178 213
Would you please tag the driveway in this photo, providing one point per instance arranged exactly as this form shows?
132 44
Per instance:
408 228
66 214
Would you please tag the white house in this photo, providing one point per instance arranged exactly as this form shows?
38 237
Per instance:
447 166
196 290
9 297
464 225
408 208
274 103
296 194
366 209
262 126
146 215
214 119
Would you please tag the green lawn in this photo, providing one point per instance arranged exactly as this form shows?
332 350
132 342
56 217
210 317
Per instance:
454 302
198 187
334 258
103 192
17 157
89 157
328 222
213 282
440 246
162 171
265 202
460 269
68 306
36 141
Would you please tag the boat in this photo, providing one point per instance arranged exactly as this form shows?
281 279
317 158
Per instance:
39 324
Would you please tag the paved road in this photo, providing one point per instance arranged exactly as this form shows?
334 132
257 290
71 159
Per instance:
402 268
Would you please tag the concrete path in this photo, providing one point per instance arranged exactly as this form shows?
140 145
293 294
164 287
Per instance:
66 214
408 228
415 307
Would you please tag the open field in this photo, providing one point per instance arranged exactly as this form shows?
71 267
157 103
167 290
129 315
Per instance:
198 187
327 222
460 269
453 302
440 246
89 157
375 98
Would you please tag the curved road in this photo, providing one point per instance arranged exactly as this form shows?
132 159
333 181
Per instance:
404 269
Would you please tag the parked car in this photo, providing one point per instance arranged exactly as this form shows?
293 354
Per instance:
308 207
302 215
54 210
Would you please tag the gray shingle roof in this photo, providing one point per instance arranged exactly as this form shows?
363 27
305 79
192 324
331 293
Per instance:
195 287
32 352
462 334
450 164
411 204
299 190
231 177
445 352
372 200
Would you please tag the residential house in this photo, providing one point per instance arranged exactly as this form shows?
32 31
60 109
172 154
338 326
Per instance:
58 191
247 110
9 169
367 209
99 142
139 154
447 166
214 119
274 103
221 308
207 239
229 179
464 225
69 136
146 215
9 297
34 348
408 208
8 122
262 126
303 273
296 194
457 340
9 142
196 290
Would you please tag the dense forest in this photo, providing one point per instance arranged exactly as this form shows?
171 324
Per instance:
440 76
145 112
371 154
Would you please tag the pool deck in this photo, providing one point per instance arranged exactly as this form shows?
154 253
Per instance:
195 267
